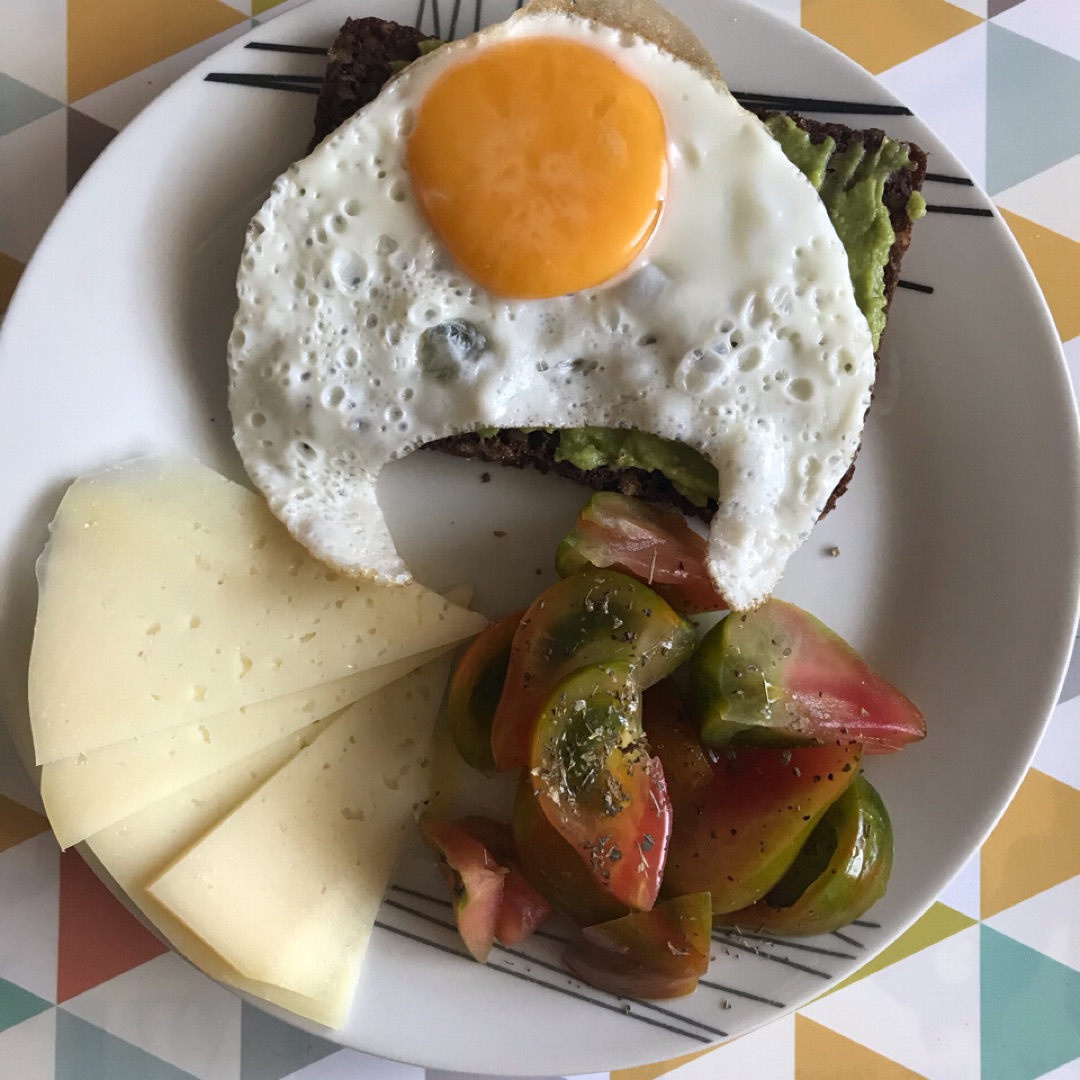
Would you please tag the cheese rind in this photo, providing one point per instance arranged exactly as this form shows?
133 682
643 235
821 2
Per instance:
87 793
169 595
320 838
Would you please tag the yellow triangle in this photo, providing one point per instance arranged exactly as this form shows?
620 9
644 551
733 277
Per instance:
940 922
1033 847
896 30
18 823
821 1054
111 39
1056 262
661 1068
10 272
258 7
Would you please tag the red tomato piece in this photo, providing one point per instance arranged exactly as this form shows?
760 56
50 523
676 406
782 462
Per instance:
475 879
655 546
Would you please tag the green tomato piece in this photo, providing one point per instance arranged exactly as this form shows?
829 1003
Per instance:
837 877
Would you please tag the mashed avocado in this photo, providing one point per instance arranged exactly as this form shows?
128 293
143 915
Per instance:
852 186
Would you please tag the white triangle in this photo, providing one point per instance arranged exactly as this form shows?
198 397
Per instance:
172 1011
963 892
33 44
30 915
351 1065
29 1048
1046 922
976 7
1059 752
1053 23
33 181
765 1054
922 1011
928 84
120 102
1049 198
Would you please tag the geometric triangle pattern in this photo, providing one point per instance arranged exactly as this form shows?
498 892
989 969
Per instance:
111 39
1000 82
99 937
1026 854
1030 1010
821 1054
1055 259
898 30
1033 108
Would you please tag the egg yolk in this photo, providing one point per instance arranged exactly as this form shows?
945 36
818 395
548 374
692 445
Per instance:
541 164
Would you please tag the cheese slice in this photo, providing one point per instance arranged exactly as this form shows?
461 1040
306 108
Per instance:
135 850
286 888
168 594
86 793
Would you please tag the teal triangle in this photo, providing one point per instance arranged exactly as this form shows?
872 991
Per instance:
270 1049
84 1051
21 104
1032 108
1030 1010
17 1005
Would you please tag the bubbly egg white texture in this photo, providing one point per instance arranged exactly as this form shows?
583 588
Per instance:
735 330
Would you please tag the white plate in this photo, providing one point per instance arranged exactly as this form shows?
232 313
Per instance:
958 540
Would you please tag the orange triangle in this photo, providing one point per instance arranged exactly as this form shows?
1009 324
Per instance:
661 1068
10 272
99 937
897 31
937 924
111 39
1056 262
1034 845
18 823
822 1054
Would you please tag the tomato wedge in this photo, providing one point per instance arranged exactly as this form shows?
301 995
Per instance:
596 783
655 546
475 880
595 617
672 738
655 954
841 872
475 688
778 676
738 836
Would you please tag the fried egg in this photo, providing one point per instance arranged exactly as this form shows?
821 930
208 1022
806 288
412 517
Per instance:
552 223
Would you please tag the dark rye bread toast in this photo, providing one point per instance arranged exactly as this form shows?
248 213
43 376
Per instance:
362 58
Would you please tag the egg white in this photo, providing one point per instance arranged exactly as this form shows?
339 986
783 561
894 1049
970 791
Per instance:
735 331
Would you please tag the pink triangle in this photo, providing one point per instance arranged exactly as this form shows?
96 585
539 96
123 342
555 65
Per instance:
99 937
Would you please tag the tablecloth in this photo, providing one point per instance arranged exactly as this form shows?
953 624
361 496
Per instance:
985 984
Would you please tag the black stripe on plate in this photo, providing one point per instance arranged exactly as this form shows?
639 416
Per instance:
966 211
476 20
741 993
262 82
562 972
942 178
789 944
453 20
420 13
269 46
868 925
848 940
765 955
914 286
547 986
809 104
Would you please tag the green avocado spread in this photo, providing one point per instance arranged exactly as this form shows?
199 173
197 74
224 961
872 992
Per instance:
852 186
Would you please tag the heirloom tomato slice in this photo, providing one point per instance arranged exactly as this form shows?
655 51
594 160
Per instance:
475 688
778 676
523 908
655 546
738 836
475 880
595 617
650 954
842 870
597 784
674 740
